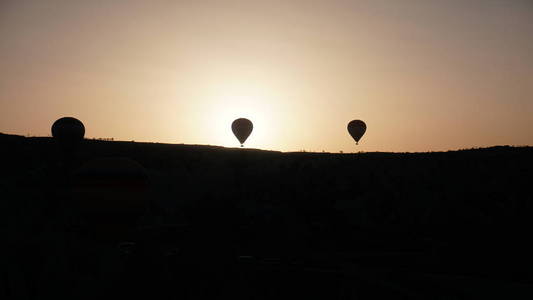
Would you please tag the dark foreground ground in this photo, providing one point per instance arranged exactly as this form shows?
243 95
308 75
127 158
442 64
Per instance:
200 222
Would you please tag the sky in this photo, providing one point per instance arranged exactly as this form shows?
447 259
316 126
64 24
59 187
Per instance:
424 75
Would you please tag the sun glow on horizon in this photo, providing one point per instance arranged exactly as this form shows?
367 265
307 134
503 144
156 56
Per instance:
242 99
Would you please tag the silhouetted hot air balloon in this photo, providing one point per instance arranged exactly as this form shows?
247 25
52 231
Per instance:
68 134
241 129
68 130
356 128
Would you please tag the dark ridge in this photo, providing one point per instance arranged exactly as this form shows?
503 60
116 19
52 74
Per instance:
244 222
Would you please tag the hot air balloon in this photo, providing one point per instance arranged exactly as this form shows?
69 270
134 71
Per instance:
68 133
110 194
68 130
241 129
356 128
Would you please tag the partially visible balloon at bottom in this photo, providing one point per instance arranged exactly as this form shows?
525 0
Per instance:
110 194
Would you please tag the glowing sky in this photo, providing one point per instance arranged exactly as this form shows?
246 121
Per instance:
424 75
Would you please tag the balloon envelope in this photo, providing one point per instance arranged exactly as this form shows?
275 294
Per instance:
357 129
111 194
241 129
68 129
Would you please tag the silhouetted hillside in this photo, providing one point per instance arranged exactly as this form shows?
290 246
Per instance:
403 218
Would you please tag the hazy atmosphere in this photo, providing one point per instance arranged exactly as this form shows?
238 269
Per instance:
423 75
138 137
